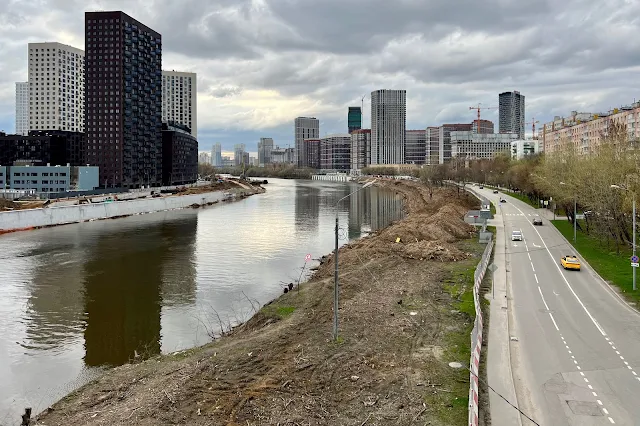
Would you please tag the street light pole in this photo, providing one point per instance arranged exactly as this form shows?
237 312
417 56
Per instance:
335 278
575 219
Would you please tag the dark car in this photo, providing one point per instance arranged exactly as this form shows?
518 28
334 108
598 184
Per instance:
495 191
481 187
537 221
502 200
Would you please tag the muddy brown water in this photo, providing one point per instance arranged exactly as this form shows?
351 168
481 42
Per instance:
78 298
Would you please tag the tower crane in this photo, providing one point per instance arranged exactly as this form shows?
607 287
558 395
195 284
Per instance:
533 123
478 108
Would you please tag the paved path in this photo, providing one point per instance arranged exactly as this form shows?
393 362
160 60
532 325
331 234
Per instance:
576 360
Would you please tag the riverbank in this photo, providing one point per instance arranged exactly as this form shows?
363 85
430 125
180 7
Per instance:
34 218
405 313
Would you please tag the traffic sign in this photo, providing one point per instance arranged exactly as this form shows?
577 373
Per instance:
635 259
635 265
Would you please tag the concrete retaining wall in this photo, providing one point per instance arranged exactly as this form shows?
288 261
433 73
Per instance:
25 219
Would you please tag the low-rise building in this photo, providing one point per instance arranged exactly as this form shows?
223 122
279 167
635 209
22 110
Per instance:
523 148
335 152
471 146
43 146
179 155
46 179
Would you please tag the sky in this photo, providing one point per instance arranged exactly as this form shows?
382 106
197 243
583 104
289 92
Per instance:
261 63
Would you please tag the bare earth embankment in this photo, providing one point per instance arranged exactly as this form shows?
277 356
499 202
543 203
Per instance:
405 313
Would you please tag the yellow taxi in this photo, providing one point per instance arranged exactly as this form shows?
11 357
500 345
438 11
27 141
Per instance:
570 262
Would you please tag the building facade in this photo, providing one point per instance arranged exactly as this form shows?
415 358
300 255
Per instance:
22 108
312 149
388 126
180 99
265 146
585 131
521 149
354 119
476 146
216 155
51 178
204 158
304 128
56 87
511 113
123 117
238 153
179 155
444 139
486 126
42 147
415 151
335 152
360 149
283 155
433 146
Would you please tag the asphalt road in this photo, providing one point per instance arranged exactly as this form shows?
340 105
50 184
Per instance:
575 345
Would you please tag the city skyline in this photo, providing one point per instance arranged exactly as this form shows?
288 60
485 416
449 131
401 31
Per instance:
255 89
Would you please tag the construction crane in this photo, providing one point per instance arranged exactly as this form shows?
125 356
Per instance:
478 108
533 123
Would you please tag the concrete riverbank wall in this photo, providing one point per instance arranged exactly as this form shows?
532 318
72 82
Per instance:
34 218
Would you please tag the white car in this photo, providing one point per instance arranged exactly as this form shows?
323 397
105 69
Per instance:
516 236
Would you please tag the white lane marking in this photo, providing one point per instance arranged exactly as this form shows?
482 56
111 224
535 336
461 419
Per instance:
554 321
567 282
543 301
534 269
611 420
599 402
604 410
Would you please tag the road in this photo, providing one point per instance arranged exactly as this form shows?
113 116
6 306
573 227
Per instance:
574 345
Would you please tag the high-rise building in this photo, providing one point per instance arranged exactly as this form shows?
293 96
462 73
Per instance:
22 108
56 87
388 126
179 155
180 99
335 152
433 146
354 119
415 151
486 126
511 113
304 128
204 158
123 99
216 155
238 153
265 146
360 149
312 149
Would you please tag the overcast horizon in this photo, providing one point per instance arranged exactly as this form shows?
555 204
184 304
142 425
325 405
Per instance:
259 66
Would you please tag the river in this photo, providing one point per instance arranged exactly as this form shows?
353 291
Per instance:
78 298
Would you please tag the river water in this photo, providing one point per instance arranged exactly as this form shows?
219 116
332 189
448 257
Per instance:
77 298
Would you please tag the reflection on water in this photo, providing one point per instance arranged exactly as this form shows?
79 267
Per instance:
101 293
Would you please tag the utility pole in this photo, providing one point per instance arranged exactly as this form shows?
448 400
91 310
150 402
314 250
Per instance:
575 219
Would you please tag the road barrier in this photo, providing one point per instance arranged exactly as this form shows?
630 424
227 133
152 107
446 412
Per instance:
476 335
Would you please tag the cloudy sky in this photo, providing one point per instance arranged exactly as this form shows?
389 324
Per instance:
261 63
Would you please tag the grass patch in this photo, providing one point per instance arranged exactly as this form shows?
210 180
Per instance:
614 268
451 406
278 311
493 209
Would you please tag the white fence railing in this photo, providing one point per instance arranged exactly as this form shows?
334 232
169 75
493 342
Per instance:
476 335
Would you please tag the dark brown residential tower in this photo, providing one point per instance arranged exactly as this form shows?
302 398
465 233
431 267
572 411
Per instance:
123 95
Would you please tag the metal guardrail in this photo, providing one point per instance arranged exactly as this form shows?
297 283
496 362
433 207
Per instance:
476 335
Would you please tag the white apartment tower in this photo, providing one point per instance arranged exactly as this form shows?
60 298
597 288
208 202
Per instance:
388 126
22 108
216 155
179 99
56 87
305 128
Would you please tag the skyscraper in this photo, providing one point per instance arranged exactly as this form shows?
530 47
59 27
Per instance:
416 147
56 87
304 128
180 99
354 119
511 113
123 116
265 146
388 126
22 108
216 155
238 153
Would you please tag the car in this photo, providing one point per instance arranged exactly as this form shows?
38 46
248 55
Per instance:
481 187
570 262
537 221
502 200
495 191
516 235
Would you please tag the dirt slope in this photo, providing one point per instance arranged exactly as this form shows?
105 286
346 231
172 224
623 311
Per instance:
399 310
